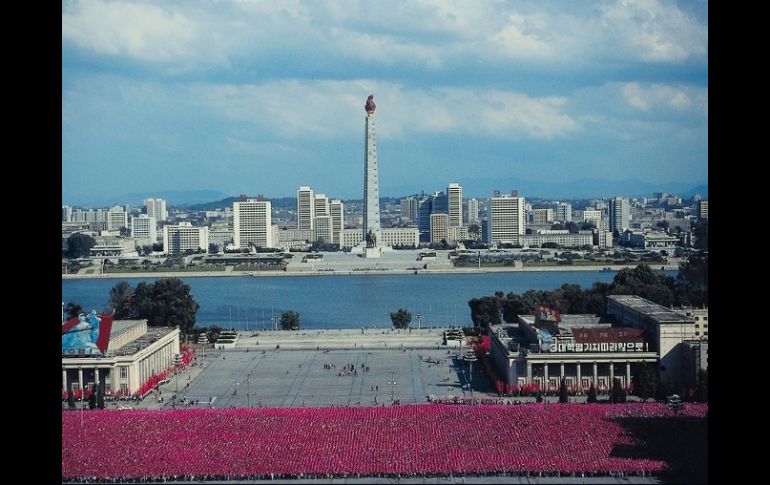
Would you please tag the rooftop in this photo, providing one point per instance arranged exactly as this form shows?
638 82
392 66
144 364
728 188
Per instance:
657 312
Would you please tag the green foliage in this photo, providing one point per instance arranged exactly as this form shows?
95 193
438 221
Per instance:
120 300
290 320
72 309
167 302
401 318
485 311
618 394
645 382
700 233
79 245
694 276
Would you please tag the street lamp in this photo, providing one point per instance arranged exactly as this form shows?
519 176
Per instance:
275 322
248 390
235 392
418 317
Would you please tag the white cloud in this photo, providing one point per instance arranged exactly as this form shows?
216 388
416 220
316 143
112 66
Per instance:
655 31
427 33
135 30
329 109
671 97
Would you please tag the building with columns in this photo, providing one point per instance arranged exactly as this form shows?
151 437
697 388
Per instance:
582 349
135 353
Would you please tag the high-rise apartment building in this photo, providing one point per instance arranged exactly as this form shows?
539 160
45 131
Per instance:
473 212
66 213
252 223
620 214
323 229
439 227
116 218
564 212
424 209
156 208
703 209
182 237
321 205
409 208
144 229
454 195
337 213
505 219
305 208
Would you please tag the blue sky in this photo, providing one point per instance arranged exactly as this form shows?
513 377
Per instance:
264 96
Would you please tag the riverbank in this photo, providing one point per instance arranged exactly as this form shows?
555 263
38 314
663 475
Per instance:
364 271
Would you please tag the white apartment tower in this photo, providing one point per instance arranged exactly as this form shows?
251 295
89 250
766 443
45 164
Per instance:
473 211
337 212
66 213
620 214
505 219
116 218
144 228
454 194
321 205
182 237
156 208
252 223
305 208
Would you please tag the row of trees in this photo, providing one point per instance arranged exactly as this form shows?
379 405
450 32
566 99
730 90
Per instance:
689 288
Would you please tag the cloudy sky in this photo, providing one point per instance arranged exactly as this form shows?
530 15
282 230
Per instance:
263 96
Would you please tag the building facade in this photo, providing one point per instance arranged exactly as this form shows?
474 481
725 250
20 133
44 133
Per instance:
620 214
505 219
454 194
472 216
156 208
144 229
252 224
439 227
337 212
305 208
183 237
135 353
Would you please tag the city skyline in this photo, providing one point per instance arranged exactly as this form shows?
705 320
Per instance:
241 97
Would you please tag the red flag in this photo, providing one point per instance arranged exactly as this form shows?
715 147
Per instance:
66 326
105 327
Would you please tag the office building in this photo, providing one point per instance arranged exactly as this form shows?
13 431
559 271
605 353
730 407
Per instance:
252 223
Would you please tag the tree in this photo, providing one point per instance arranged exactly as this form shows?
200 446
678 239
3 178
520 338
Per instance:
474 231
79 245
290 320
571 227
618 394
664 389
485 311
592 393
663 225
124 231
563 398
401 318
644 382
167 302
72 309
121 296
694 276
700 233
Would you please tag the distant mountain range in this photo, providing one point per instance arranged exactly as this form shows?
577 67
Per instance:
478 188
172 198
579 189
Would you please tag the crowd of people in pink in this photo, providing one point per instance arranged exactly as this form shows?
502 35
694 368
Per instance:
411 440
